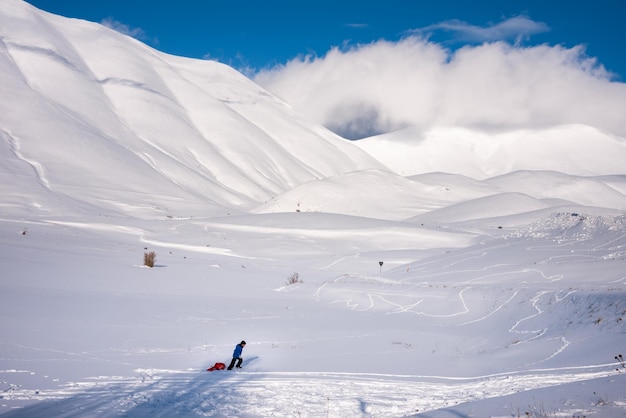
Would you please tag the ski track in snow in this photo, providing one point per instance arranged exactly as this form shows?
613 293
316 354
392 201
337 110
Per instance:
493 311
385 300
240 393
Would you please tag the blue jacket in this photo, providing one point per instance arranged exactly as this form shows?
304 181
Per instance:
238 350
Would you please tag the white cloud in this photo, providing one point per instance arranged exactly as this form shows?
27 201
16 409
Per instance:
357 25
120 27
385 86
516 28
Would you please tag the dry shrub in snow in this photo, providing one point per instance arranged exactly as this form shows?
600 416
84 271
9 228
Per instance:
149 258
293 279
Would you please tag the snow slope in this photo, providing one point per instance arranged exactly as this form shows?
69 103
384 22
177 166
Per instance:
100 103
501 291
573 149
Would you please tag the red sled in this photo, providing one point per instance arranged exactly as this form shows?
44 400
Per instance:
216 366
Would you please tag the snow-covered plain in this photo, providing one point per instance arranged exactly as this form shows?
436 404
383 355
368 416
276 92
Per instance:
502 291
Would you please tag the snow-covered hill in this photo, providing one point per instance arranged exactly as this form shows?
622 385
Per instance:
574 149
485 283
83 104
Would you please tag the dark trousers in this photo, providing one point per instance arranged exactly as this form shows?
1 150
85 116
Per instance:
232 363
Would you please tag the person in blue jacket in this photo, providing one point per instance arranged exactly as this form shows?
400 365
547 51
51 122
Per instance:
237 356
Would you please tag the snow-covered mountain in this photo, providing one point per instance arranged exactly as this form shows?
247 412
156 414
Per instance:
575 149
86 110
447 273
84 105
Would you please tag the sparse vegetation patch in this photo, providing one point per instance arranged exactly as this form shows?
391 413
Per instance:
293 279
149 258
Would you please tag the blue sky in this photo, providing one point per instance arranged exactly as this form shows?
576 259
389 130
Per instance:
257 34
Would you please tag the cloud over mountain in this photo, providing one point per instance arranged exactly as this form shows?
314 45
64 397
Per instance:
385 86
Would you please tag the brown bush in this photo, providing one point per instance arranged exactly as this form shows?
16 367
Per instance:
149 258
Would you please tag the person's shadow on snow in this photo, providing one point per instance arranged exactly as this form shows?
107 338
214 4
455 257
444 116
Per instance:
166 394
